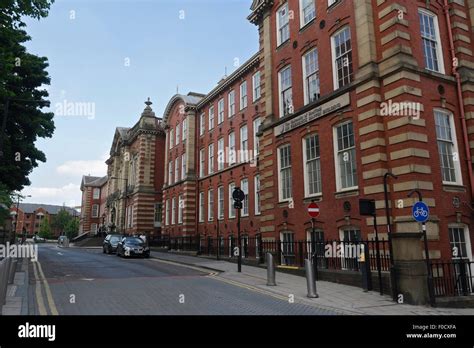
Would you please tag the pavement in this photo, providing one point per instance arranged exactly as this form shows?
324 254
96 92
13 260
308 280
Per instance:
17 293
343 299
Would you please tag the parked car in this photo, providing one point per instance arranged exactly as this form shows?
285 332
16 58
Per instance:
110 243
133 246
61 240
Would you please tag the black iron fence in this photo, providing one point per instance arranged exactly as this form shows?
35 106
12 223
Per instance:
453 278
328 254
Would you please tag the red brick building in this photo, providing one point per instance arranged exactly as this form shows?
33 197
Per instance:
354 89
135 177
214 135
29 217
347 91
94 191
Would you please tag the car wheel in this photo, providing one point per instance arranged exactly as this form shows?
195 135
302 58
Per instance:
103 250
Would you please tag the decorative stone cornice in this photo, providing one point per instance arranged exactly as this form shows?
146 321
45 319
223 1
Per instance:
258 8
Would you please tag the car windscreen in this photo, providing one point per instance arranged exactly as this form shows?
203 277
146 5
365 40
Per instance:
115 239
134 241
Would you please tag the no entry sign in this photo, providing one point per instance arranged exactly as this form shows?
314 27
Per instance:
313 210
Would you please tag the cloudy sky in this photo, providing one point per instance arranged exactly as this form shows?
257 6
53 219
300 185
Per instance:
108 56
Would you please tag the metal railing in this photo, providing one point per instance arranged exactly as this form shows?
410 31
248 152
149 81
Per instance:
453 277
328 254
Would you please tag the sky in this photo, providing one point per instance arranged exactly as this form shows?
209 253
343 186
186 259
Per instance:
108 56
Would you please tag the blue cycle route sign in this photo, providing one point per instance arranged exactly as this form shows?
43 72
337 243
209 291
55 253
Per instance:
420 212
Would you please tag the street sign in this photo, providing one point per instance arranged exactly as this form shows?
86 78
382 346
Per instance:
238 194
313 210
238 205
420 211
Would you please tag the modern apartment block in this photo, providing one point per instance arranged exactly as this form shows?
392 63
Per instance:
29 216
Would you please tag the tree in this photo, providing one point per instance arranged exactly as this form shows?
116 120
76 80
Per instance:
45 230
60 220
72 228
5 203
22 76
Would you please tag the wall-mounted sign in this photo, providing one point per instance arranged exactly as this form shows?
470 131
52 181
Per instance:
318 112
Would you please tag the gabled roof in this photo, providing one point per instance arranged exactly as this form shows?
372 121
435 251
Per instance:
29 208
93 181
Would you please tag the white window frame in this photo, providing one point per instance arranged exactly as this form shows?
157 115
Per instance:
210 163
201 206
244 186
210 205
257 197
183 166
256 86
211 117
167 212
202 124
231 201
231 101
220 111
243 95
220 203
455 149
96 193
170 172
173 211
180 209
177 170
439 46
244 144
178 133
220 154
202 162
281 91
305 76
339 187
280 169
335 58
303 23
305 167
279 26
95 214
184 129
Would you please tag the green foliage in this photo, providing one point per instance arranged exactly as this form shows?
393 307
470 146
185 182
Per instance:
22 80
60 220
5 203
72 228
45 230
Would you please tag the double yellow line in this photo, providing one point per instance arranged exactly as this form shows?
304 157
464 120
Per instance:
41 280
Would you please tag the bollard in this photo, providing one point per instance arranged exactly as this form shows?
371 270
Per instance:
310 281
66 242
12 271
270 270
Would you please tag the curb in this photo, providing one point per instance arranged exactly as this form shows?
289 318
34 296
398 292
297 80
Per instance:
188 264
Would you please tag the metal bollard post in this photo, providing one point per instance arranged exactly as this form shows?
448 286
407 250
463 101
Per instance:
3 280
270 270
310 281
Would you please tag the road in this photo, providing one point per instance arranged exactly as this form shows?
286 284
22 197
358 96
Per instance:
73 281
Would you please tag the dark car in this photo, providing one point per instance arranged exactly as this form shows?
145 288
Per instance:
133 246
111 242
